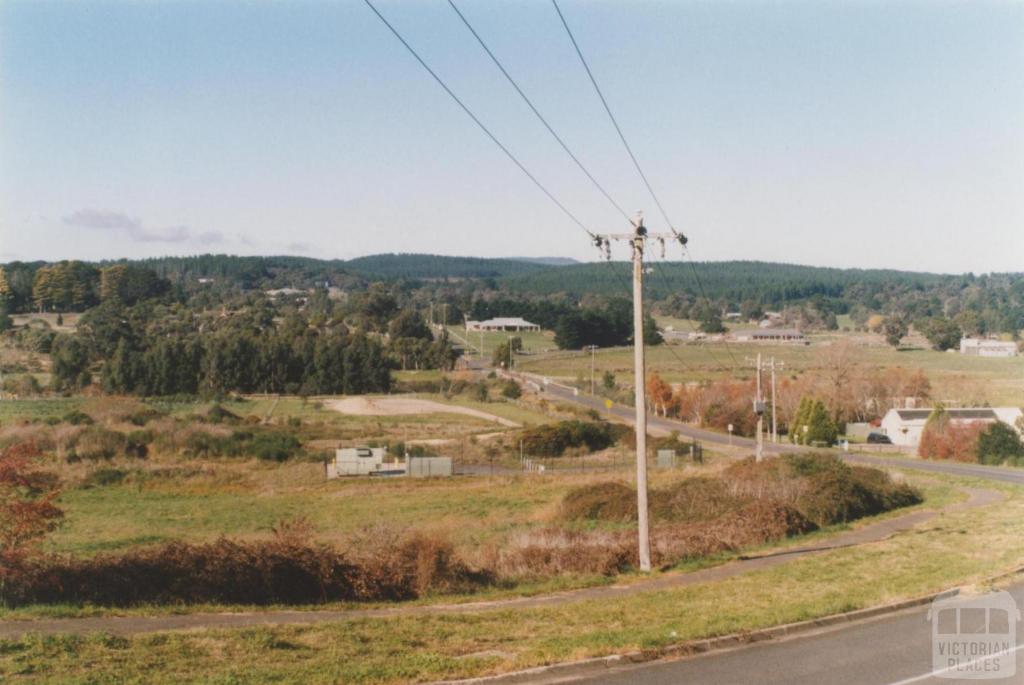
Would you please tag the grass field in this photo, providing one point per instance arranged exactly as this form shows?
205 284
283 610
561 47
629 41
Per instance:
403 649
954 376
533 341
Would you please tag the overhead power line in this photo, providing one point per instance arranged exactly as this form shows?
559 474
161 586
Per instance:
539 116
477 121
615 122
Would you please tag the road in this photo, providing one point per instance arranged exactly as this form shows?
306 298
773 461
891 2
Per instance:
890 650
659 424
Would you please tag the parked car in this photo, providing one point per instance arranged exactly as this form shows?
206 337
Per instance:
878 439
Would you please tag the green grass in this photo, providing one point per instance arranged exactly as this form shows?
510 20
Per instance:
533 341
967 545
999 381
16 410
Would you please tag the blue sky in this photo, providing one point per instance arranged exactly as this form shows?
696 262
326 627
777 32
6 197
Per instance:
864 134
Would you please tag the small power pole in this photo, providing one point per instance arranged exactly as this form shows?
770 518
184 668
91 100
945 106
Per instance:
759 410
593 349
637 240
773 364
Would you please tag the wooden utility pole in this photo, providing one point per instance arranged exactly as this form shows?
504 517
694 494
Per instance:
639 374
759 410
593 349
637 240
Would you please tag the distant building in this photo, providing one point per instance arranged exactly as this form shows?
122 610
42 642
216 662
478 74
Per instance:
284 292
789 335
513 323
982 347
904 426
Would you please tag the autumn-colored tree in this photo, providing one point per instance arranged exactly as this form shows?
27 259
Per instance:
943 438
27 509
660 394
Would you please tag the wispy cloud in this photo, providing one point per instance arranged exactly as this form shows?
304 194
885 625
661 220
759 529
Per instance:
134 229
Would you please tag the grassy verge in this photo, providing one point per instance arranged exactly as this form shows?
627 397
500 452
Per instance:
958 546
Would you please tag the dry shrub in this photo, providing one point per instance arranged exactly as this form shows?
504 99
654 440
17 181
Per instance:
287 569
609 501
693 499
555 551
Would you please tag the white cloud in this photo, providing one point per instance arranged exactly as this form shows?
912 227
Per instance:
134 229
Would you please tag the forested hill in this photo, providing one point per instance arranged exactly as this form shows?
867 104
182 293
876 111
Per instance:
734 281
423 266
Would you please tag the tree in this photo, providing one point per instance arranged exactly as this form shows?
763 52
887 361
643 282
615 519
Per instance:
820 426
608 380
895 329
652 336
27 510
70 363
942 333
409 324
504 353
1000 443
711 321
511 390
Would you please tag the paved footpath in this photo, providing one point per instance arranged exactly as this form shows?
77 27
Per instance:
131 625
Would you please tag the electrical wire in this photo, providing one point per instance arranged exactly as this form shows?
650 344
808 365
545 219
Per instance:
615 122
537 113
632 156
477 121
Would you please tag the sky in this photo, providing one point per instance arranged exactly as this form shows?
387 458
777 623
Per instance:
851 134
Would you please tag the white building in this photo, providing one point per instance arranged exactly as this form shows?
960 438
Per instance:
982 347
904 426
789 335
512 323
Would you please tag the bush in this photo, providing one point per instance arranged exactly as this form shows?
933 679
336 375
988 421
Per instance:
96 443
288 569
136 443
78 418
551 440
103 477
274 446
511 390
998 444
611 501
219 414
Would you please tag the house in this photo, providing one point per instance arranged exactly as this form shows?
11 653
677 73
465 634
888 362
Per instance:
982 347
513 323
904 426
788 335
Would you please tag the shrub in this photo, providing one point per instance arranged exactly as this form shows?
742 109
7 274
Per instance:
218 414
511 390
78 418
274 446
999 443
287 569
103 477
97 442
551 440
136 443
610 501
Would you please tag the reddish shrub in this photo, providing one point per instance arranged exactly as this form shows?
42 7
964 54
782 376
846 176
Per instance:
955 441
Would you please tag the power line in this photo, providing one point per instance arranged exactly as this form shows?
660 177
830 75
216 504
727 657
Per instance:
536 112
477 121
611 116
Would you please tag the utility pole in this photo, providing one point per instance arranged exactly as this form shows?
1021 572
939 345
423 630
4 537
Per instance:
510 355
775 425
638 239
593 349
759 410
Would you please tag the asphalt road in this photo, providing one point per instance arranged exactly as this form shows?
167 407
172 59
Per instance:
1004 475
891 650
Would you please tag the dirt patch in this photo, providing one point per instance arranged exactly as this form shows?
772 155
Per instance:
399 406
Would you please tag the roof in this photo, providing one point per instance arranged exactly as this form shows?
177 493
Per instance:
771 333
961 414
505 321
